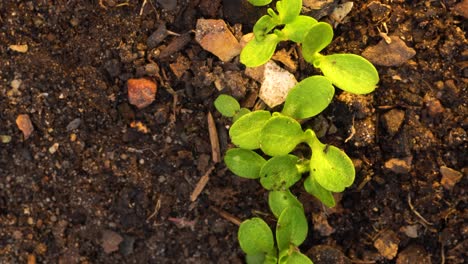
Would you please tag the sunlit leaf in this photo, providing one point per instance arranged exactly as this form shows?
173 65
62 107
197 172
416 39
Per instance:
263 26
244 163
227 105
326 197
288 10
245 131
280 200
257 53
259 2
291 228
298 28
298 258
309 97
255 236
349 72
280 135
317 38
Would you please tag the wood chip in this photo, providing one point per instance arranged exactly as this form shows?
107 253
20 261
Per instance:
201 184
19 48
214 140
227 216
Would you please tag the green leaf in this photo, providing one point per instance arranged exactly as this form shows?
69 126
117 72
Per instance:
257 53
255 259
241 112
325 196
297 29
318 37
288 10
349 72
227 105
280 200
244 163
263 26
259 2
255 236
280 172
291 228
280 135
298 258
309 97
330 166
245 131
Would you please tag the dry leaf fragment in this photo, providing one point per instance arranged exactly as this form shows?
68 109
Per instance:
24 124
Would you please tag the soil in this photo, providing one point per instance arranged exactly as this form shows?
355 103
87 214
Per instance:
90 186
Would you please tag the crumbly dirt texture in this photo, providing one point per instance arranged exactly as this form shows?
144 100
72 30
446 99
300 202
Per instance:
101 181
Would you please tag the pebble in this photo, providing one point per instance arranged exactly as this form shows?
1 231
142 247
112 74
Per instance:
450 177
434 107
53 148
399 166
277 82
157 36
74 124
23 48
141 92
111 241
341 11
214 36
387 244
392 120
410 231
394 54
24 124
413 254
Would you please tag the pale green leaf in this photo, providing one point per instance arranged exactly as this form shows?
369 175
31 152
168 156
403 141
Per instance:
280 200
297 29
280 173
263 26
280 135
246 130
297 257
244 163
257 53
288 10
259 2
317 38
227 105
291 228
349 72
309 97
255 236
326 197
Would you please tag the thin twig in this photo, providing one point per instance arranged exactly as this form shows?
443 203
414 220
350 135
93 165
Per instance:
227 216
416 212
214 140
157 206
143 7
201 184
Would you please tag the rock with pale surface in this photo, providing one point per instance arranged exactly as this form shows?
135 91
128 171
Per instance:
277 82
394 53
214 36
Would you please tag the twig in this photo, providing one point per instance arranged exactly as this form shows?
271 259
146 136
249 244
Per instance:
227 216
157 206
353 132
214 140
201 184
143 7
416 212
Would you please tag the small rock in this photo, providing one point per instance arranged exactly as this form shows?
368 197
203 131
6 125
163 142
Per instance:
450 177
175 45
324 254
5 139
387 244
341 11
157 36
394 54
413 254
410 231
461 8
74 124
24 124
141 92
434 107
379 11
214 36
276 84
19 48
111 241
399 166
316 4
54 148
392 120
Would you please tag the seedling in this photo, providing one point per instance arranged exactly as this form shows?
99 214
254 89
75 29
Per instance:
349 72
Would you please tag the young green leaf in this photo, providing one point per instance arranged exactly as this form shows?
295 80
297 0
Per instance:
349 72
241 112
259 2
298 258
245 131
257 52
227 105
279 173
330 166
280 200
298 28
288 10
263 26
291 228
319 36
244 163
325 196
255 236
280 135
258 258
309 97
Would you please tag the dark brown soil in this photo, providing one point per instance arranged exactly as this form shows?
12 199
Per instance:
113 194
